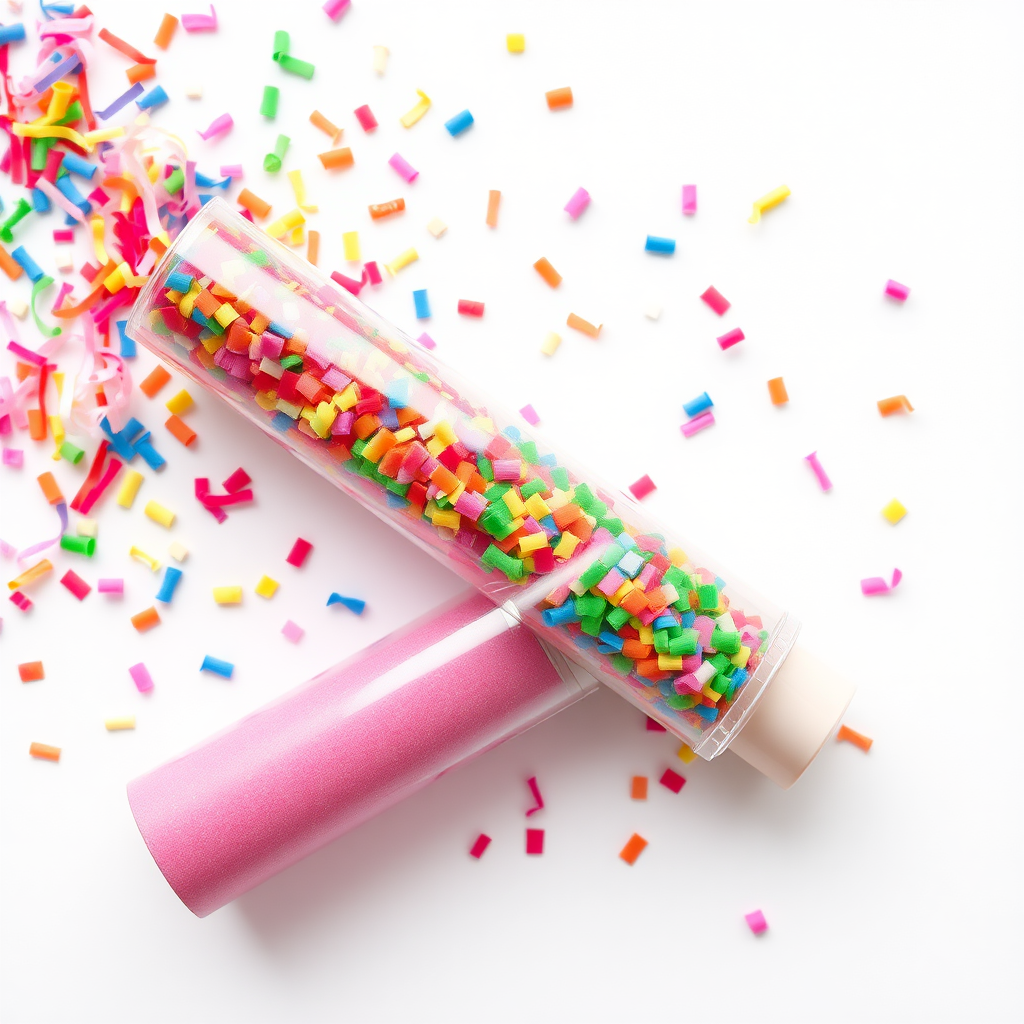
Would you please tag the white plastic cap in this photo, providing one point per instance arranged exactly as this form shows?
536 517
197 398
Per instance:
791 722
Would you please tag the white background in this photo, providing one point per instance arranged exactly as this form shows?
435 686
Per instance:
892 881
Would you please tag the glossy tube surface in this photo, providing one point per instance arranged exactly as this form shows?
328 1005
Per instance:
590 571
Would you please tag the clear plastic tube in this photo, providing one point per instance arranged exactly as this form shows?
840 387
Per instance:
300 772
640 607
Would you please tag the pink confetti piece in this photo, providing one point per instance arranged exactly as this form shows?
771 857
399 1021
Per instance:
578 203
755 920
299 552
293 632
62 235
535 840
653 726
426 340
537 798
237 481
76 584
877 585
336 8
896 291
716 300
481 844
143 680
642 487
672 780
705 419
689 200
819 472
110 586
530 415
730 338
404 168
21 601
200 22
14 457
371 273
7 550
218 126
232 171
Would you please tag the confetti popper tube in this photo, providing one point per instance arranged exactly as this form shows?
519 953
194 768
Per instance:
296 774
574 558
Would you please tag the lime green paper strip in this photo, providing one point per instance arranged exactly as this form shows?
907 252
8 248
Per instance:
43 283
268 108
294 66
272 161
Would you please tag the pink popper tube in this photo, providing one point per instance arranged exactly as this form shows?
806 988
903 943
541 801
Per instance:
296 774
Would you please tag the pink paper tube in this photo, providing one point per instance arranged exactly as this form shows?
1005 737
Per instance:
896 291
404 168
110 586
218 127
296 774
705 419
689 200
336 8
578 203
733 337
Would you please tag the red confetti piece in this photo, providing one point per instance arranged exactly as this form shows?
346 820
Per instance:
481 844
672 780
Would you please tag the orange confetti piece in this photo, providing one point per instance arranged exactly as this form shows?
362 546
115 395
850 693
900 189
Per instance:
848 735
633 848
898 403
44 752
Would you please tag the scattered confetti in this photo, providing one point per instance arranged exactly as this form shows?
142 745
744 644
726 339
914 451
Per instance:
538 800
638 787
459 123
642 487
636 845
894 511
672 780
579 324
715 300
756 922
353 604
896 291
898 403
119 724
480 844
816 467
768 202
159 514
292 632
548 272
535 840
227 595
730 338
31 671
44 752
877 585
76 584
141 677
551 343
217 667
689 200
267 587
146 620
698 423
848 735
299 552
559 99
660 246
777 391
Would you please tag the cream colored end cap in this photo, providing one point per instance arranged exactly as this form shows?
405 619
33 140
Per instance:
796 715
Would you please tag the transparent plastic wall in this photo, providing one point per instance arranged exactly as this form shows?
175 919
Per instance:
636 604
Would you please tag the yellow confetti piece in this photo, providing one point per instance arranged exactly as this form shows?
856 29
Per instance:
87 528
129 488
350 240
60 100
410 117
159 514
267 587
403 260
227 595
286 223
437 227
551 343
178 551
894 511
96 224
180 403
140 556
516 42
686 755
299 188
117 724
767 202
380 59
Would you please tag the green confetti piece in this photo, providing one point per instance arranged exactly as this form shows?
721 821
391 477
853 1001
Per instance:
291 362
591 625
40 286
21 210
268 108
40 151
617 618
282 56
80 545
622 664
272 161
175 181
726 641
589 606
72 453
592 575
73 113
707 596
560 478
531 487
685 644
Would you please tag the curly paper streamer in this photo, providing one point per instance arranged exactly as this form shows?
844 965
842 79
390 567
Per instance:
41 285
44 545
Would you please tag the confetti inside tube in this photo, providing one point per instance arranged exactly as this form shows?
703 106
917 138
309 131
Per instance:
636 845
164 516
44 752
777 391
439 460
218 667
689 200
897 291
848 735
768 202
146 620
819 471
559 99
